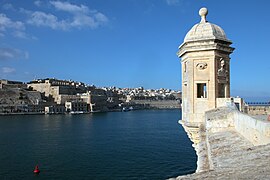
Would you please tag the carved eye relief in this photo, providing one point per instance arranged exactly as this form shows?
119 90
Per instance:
201 66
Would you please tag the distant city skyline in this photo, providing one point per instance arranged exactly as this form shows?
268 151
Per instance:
128 43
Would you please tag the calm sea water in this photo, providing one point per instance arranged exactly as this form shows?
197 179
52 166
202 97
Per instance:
117 145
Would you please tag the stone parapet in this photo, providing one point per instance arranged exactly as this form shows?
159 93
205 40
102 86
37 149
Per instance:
222 119
228 145
255 130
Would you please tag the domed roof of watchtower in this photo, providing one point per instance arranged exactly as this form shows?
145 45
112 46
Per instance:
205 30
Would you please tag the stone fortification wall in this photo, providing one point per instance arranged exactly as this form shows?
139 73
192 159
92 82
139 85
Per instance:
230 144
258 110
159 104
255 130
41 87
225 119
34 97
16 96
233 157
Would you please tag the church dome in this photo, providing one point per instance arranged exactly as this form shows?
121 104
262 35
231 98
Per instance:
205 30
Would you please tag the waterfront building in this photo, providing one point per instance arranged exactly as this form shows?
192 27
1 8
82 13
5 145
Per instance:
55 109
36 108
48 92
96 100
21 108
129 98
73 94
62 98
205 58
76 106
54 88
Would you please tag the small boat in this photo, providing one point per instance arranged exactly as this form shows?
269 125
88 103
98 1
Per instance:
126 109
76 112
36 170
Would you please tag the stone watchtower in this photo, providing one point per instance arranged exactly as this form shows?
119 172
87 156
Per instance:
205 58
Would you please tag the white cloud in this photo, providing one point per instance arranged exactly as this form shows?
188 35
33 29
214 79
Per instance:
38 3
94 21
8 70
173 2
101 17
79 16
12 54
68 7
8 6
39 18
25 11
23 35
20 34
83 20
7 23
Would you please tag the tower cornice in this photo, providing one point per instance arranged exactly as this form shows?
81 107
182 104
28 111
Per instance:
205 45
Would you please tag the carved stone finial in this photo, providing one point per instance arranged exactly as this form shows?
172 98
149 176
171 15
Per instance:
203 13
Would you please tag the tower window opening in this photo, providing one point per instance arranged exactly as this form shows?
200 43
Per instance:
185 66
201 90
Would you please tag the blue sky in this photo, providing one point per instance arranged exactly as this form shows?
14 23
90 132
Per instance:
128 43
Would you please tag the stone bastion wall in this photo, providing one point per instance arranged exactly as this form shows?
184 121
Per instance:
230 145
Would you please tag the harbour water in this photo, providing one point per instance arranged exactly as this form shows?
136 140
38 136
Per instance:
118 145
